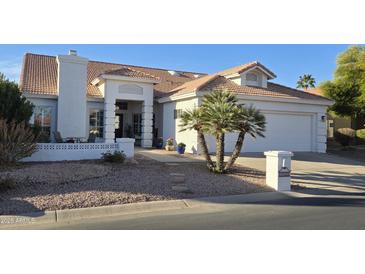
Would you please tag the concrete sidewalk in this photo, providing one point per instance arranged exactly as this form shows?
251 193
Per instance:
80 214
164 156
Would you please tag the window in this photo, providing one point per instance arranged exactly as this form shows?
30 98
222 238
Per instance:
251 77
137 124
177 113
42 117
96 122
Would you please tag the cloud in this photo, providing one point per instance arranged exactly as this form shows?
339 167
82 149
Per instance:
11 69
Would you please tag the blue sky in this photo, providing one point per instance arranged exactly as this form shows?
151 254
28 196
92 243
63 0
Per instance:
287 61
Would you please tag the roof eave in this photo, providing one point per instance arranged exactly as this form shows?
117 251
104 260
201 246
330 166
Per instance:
126 78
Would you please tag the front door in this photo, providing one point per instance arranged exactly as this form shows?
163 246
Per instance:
118 125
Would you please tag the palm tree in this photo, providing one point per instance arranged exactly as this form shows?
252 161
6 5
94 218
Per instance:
192 120
248 121
306 81
219 110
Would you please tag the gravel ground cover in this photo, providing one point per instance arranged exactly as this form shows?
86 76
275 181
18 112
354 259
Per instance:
62 185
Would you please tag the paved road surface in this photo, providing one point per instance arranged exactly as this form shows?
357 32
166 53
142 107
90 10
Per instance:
314 212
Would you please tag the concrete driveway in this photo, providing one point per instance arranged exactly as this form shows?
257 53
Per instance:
319 173
314 173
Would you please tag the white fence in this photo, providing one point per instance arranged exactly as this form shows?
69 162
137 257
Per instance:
79 151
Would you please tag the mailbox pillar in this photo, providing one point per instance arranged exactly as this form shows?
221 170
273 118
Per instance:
278 169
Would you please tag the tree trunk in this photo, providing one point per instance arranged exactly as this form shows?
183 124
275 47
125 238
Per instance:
204 150
220 152
237 150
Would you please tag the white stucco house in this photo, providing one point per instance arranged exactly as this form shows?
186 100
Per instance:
75 96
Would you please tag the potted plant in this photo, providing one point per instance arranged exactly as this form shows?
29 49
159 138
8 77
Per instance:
159 143
170 144
181 148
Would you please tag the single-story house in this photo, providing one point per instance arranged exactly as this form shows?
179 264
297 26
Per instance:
76 96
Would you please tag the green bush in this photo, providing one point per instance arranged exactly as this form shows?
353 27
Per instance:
116 157
345 136
17 141
360 133
13 106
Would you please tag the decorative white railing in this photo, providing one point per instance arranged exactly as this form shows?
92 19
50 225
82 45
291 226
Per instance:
77 146
79 151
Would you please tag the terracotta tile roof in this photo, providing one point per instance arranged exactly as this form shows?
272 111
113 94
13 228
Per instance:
39 75
241 68
315 91
125 71
217 82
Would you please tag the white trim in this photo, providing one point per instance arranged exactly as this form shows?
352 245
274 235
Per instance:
285 100
122 78
250 97
262 70
35 95
178 97
92 99
236 74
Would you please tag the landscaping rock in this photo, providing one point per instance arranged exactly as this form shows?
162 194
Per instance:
65 185
181 188
177 178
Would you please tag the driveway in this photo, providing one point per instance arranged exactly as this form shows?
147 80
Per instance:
319 173
314 173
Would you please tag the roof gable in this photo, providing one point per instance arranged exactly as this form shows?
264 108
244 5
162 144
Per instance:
245 67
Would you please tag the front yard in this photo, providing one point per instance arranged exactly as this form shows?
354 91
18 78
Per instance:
62 185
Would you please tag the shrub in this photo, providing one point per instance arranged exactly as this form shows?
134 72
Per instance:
13 106
17 141
345 136
360 133
116 157
170 141
182 145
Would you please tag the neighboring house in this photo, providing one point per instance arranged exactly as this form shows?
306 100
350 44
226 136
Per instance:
334 122
76 96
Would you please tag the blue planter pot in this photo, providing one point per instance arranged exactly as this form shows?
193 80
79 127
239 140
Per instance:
181 150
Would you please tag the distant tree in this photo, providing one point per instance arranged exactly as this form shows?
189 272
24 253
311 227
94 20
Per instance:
3 77
306 81
347 88
13 106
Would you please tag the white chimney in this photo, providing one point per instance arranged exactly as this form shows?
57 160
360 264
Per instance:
71 105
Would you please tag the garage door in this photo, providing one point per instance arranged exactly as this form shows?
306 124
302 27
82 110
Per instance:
291 132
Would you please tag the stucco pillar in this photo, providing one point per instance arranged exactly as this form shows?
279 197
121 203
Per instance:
147 123
109 122
321 132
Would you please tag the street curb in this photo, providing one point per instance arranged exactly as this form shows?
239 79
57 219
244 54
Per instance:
67 215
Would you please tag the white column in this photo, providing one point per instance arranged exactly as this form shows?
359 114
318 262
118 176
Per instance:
278 169
109 122
147 123
321 138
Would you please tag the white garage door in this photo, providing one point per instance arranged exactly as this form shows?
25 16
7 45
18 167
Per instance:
291 132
